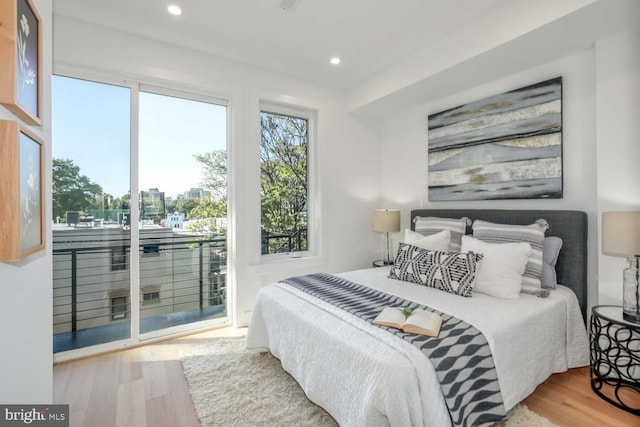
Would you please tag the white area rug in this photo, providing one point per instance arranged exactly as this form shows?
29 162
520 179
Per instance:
231 386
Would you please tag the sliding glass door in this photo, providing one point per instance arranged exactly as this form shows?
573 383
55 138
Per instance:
183 210
140 212
91 211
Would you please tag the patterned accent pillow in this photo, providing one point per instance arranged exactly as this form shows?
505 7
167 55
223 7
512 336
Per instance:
452 272
507 233
428 225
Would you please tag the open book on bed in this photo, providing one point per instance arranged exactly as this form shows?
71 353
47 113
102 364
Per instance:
413 321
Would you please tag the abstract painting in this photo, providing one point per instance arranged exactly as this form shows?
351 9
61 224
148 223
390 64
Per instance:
507 146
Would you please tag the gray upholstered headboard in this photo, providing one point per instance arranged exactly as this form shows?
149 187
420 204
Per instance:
570 226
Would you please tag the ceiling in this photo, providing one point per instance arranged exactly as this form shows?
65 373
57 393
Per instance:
295 37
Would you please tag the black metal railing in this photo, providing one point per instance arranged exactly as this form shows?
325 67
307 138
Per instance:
273 243
177 274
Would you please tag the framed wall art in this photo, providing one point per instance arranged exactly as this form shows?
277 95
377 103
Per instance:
22 229
507 146
21 59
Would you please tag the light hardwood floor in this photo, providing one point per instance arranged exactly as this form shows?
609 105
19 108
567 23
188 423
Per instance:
145 386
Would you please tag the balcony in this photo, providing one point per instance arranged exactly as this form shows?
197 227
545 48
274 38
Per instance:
182 280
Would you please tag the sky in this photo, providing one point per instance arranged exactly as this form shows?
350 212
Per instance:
91 126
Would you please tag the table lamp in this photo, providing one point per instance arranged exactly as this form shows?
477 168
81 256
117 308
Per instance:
621 238
386 221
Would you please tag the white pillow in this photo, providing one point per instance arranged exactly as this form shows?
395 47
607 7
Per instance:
500 271
532 234
434 242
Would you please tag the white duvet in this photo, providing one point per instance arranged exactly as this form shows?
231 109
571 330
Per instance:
364 376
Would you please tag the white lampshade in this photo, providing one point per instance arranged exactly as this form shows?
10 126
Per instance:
386 220
621 233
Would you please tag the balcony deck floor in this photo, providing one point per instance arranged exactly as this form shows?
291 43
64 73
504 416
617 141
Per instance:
119 331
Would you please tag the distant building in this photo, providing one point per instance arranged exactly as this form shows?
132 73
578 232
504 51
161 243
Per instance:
197 193
175 220
152 205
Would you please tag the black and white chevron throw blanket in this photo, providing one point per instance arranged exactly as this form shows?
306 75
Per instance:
460 354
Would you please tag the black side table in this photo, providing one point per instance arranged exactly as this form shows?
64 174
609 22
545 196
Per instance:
615 357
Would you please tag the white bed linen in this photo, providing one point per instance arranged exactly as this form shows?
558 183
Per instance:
363 375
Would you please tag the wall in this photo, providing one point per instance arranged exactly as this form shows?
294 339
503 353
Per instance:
26 372
618 131
404 147
347 151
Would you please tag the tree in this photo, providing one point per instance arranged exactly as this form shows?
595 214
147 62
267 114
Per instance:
185 206
214 173
209 208
214 179
283 174
123 202
71 190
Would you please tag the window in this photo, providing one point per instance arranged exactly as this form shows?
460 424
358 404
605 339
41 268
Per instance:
284 182
118 308
148 297
151 249
118 258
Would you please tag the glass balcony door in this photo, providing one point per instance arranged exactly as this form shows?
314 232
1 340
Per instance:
140 211
91 149
183 211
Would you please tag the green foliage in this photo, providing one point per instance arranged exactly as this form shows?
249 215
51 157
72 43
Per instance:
123 202
407 311
214 173
73 191
209 208
206 209
283 176
184 206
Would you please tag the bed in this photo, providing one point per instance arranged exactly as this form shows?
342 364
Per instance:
364 375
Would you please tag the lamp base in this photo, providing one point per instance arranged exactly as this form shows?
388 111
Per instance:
633 317
631 291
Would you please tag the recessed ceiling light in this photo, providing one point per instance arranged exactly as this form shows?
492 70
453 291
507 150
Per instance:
335 60
174 10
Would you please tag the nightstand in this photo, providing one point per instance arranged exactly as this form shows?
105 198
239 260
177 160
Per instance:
615 357
381 263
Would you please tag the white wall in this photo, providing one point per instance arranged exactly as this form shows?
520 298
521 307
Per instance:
348 154
26 373
404 147
618 130
601 149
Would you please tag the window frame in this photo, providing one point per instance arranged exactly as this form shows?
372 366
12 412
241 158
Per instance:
311 115
119 258
148 292
119 314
